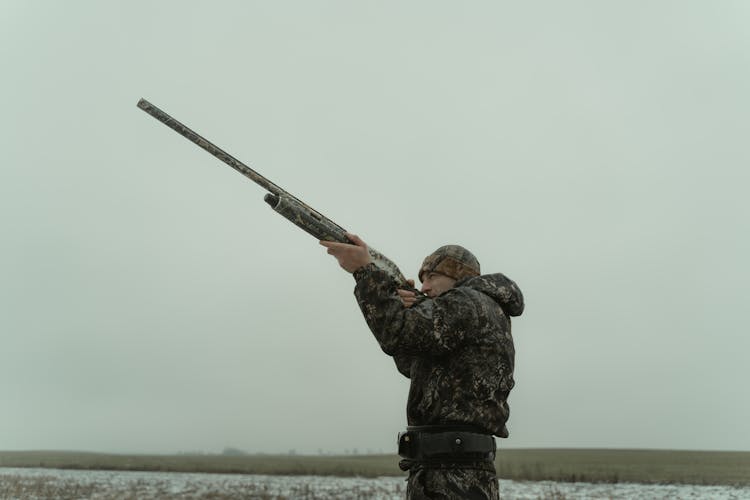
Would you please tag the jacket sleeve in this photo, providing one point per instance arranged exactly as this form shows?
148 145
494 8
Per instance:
431 326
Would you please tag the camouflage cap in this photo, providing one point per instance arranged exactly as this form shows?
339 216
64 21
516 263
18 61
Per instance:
453 261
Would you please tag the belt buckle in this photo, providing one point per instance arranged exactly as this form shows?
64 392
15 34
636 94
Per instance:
406 444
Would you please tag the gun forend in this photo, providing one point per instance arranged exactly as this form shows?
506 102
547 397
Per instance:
311 222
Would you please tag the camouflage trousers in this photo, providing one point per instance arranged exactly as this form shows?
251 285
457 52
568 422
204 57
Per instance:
447 483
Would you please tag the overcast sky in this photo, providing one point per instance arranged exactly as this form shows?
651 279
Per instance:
595 152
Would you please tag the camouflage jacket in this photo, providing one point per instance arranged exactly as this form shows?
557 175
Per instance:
456 348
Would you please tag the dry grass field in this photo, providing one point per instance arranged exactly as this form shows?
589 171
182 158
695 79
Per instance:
569 465
621 466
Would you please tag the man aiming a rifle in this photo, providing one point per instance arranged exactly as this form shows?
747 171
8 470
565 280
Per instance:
454 342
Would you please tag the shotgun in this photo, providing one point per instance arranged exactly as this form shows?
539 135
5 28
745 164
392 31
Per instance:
298 212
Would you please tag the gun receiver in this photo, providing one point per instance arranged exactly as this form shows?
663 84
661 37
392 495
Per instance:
294 209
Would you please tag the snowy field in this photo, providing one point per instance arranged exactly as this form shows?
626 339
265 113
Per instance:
50 483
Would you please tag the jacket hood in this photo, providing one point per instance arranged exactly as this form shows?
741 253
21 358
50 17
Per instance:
500 288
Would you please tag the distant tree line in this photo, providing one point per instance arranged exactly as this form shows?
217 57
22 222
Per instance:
233 452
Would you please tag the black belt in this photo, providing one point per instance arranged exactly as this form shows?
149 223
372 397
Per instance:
446 443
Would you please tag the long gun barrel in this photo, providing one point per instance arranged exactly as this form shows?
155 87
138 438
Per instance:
294 209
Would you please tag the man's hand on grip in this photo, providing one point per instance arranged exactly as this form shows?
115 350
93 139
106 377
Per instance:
408 297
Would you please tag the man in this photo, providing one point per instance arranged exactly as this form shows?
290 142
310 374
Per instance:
454 343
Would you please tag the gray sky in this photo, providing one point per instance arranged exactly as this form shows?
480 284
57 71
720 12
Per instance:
595 152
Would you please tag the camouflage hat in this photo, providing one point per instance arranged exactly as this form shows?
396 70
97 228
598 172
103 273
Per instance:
451 260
